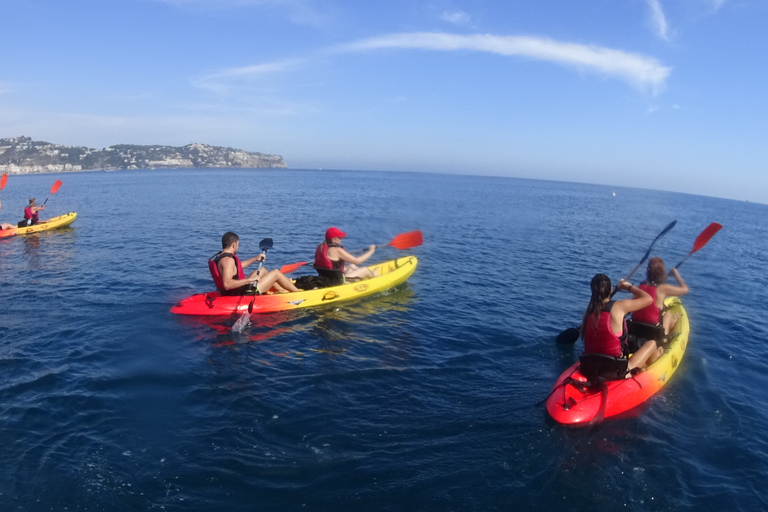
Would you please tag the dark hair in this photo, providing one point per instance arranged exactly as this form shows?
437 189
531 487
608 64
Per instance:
228 239
601 290
656 273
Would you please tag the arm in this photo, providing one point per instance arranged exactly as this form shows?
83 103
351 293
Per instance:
260 257
227 269
36 209
345 256
641 299
668 289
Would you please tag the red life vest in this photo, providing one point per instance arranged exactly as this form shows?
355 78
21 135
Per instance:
650 314
213 266
323 262
29 215
600 338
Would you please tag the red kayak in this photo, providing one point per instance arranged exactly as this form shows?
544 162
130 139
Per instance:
576 402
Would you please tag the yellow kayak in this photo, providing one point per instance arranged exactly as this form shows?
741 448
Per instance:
45 225
391 273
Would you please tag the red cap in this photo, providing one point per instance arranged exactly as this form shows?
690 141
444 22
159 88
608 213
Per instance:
334 233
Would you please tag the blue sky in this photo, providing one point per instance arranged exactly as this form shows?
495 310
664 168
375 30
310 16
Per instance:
659 94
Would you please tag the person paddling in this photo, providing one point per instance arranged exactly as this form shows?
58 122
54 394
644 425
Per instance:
30 213
602 326
659 290
331 257
229 277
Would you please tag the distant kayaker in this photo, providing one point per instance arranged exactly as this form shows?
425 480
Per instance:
30 212
602 326
229 277
5 225
331 259
659 290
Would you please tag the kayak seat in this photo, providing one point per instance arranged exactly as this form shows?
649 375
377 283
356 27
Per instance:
640 332
600 368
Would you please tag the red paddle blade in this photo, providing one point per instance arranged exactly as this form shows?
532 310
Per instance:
407 240
286 269
55 187
3 181
705 236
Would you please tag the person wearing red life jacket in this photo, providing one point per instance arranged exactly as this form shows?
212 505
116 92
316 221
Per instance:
229 276
659 290
335 264
30 212
5 225
602 327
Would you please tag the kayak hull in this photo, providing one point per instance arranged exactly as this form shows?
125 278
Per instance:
573 405
44 225
392 272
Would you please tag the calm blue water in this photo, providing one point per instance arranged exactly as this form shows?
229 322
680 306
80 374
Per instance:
418 399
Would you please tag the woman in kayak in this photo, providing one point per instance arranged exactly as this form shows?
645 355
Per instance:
30 212
604 318
331 260
5 225
659 290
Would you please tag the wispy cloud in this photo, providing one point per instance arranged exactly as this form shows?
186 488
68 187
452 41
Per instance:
456 17
716 4
658 20
220 82
639 70
301 12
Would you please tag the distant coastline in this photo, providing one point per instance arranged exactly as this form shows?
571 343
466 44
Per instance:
22 155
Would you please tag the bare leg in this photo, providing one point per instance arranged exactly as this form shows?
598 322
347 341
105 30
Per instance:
277 279
358 273
5 225
669 321
645 355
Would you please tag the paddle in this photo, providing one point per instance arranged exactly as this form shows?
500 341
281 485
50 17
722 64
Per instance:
701 240
54 188
264 245
3 181
286 269
647 253
571 334
402 241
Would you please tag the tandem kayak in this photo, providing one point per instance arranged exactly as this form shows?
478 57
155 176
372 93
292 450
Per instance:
576 404
44 225
391 272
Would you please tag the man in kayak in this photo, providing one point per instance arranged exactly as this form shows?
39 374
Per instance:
330 259
659 290
229 277
602 326
5 225
30 212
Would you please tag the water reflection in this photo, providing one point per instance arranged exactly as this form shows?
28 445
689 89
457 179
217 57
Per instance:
331 329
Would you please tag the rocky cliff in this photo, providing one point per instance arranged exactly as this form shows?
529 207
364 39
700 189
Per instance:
22 155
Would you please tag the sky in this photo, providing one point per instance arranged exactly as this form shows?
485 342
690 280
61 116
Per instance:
659 94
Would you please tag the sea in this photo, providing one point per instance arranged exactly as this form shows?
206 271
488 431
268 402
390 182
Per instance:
423 398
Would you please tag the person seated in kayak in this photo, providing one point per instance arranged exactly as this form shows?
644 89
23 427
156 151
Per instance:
604 318
331 259
30 212
659 290
229 277
5 225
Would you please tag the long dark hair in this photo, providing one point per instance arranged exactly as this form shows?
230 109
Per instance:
601 290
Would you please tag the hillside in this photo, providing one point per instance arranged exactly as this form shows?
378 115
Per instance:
22 155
